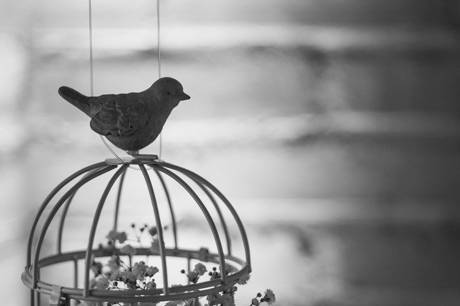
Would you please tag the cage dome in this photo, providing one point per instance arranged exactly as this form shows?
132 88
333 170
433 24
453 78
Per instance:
159 179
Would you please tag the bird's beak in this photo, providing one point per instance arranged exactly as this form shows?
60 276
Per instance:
184 96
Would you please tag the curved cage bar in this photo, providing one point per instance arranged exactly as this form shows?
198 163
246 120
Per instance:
206 213
117 202
159 225
207 184
94 224
232 269
170 205
47 200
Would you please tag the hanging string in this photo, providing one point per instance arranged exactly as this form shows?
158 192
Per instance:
91 70
91 64
160 149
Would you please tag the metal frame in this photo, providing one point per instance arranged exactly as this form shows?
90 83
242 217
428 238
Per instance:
60 295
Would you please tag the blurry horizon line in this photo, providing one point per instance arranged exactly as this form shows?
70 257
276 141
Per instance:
121 41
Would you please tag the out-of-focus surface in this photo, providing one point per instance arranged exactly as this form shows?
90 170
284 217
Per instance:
331 125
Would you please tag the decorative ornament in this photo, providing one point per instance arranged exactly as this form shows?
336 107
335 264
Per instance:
130 121
117 273
136 270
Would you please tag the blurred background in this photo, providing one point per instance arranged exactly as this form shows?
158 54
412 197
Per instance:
333 126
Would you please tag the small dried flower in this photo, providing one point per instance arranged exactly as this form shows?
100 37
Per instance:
151 271
193 276
96 267
100 282
269 297
203 254
122 237
114 263
255 302
129 276
150 285
200 268
113 235
243 279
139 269
153 231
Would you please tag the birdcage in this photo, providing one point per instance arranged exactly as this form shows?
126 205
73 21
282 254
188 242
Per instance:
159 178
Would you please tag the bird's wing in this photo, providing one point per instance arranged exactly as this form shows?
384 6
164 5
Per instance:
120 115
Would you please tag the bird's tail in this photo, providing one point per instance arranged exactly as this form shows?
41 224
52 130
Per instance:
77 99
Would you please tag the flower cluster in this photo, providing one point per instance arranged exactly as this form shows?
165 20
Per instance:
269 298
116 274
194 275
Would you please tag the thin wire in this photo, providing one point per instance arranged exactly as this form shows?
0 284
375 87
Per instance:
158 39
91 70
160 149
91 61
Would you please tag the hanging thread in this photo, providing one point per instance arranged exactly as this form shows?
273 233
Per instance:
160 149
91 64
91 68
91 71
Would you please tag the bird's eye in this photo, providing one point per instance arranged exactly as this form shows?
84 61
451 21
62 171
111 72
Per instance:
168 93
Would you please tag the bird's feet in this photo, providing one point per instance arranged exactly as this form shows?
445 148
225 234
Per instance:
137 155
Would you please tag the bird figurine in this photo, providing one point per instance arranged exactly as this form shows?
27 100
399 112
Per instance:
130 121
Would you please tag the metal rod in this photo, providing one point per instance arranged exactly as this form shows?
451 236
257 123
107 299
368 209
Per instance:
171 208
189 268
156 211
170 252
219 213
50 197
75 275
61 223
62 220
91 61
117 202
53 213
182 292
227 203
92 232
206 213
